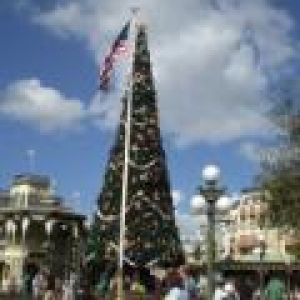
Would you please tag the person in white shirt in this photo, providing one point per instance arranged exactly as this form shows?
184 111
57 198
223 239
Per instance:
219 291
38 285
176 293
230 291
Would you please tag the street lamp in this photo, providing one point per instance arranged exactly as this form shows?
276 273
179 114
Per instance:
49 226
261 250
210 192
288 263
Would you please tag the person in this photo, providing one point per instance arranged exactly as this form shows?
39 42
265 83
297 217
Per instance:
297 293
175 287
39 285
257 294
158 290
67 290
58 288
36 286
26 285
12 287
69 287
189 283
137 288
246 289
49 294
230 291
102 286
88 293
275 289
219 293
202 286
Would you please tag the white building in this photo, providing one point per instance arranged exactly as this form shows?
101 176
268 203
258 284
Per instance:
36 230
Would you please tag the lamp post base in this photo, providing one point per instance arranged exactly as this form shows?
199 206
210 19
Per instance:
120 290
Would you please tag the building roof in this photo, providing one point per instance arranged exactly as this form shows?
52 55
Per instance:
32 179
34 202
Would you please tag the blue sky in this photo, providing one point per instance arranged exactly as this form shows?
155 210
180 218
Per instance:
211 70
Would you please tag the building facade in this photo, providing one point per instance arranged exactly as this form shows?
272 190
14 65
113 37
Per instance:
37 231
250 233
243 235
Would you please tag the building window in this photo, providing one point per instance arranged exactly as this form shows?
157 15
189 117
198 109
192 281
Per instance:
243 214
245 251
2 232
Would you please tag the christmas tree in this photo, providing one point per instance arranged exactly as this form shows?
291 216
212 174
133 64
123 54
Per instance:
151 236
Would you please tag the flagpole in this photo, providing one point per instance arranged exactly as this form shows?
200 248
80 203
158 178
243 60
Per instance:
120 290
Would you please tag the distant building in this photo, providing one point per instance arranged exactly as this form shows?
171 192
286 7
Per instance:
37 231
250 231
195 241
242 235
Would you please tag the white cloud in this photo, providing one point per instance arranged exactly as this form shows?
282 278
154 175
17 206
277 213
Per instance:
210 60
252 151
65 19
268 153
29 101
177 196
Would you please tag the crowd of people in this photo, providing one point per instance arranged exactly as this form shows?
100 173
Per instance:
182 284
184 287
273 289
48 287
45 286
177 284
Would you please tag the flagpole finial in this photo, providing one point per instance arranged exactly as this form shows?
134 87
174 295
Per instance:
31 157
134 10
137 16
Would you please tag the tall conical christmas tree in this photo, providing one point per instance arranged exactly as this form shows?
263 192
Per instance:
151 236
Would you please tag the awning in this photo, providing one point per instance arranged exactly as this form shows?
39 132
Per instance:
256 266
246 241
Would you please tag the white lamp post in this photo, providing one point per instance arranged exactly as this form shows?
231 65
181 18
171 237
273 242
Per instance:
210 192
289 271
261 250
48 228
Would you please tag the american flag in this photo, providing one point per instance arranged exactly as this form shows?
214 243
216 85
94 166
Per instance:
118 49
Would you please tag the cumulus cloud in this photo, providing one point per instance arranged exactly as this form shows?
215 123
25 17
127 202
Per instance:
211 59
29 101
252 151
177 196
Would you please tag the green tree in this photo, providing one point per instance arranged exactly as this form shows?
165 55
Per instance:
281 171
151 233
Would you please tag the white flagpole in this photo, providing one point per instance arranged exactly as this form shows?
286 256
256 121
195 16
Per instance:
120 295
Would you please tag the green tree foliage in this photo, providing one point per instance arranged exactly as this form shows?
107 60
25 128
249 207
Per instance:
280 176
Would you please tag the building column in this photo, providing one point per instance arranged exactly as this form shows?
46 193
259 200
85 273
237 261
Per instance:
10 229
